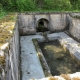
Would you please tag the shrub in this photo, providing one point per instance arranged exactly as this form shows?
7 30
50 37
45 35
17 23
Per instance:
57 4
25 5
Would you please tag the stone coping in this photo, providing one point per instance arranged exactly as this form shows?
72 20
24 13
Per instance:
31 13
72 14
75 15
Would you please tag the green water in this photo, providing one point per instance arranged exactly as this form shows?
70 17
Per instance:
58 59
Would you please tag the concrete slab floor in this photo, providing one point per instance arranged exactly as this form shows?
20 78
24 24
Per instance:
30 64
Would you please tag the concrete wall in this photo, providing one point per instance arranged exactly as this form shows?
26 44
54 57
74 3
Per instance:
29 22
12 70
74 28
26 24
57 22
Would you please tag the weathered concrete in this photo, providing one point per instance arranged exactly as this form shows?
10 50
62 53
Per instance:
75 26
29 56
12 70
44 64
30 64
26 24
55 22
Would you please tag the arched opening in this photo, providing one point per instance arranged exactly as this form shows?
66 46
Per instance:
42 25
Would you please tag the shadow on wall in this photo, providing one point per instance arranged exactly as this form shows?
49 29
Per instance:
42 25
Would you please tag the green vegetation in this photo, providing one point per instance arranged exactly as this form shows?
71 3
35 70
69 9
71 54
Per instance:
39 5
2 61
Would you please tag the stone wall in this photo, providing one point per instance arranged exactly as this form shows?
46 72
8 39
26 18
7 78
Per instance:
26 24
57 22
29 22
12 70
74 28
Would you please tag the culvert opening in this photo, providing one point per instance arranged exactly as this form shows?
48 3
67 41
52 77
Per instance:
57 57
42 25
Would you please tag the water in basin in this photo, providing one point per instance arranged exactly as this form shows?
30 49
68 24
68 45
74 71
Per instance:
58 59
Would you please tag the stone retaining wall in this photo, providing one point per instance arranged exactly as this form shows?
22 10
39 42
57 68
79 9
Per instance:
29 22
12 70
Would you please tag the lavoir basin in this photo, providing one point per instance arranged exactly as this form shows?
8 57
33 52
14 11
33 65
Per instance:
58 59
41 58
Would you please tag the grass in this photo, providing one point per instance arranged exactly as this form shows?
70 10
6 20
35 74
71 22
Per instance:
3 14
2 61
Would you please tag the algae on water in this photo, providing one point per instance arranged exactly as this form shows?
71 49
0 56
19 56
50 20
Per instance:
58 59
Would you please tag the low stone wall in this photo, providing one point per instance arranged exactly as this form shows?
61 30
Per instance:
12 70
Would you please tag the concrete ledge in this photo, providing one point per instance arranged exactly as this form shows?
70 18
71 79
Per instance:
30 64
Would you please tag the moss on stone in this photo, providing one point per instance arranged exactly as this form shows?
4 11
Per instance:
7 25
2 61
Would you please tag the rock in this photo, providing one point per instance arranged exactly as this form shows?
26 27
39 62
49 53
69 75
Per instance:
1 53
59 56
4 46
75 15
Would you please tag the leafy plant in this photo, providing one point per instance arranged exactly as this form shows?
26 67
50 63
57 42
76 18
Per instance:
39 5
